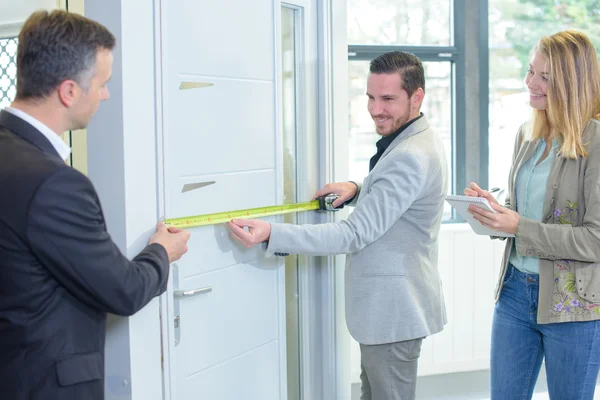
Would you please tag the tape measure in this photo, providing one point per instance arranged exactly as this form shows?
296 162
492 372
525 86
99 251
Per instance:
324 203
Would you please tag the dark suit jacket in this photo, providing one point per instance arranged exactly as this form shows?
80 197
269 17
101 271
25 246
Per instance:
60 273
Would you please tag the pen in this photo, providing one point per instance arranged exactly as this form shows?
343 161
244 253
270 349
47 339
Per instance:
492 190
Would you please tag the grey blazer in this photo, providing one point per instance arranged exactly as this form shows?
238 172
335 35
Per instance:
393 289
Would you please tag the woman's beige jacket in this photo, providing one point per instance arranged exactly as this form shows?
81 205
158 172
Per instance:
567 240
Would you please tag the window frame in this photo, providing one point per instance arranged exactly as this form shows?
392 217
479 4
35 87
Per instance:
469 131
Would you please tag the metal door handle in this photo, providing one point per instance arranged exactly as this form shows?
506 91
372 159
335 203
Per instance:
190 293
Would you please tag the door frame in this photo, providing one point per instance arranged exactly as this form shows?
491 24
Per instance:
325 343
305 35
333 121
164 303
333 164
324 338
76 139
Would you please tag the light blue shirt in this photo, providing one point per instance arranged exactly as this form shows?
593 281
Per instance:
531 190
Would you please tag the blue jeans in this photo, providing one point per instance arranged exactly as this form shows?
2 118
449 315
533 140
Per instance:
519 344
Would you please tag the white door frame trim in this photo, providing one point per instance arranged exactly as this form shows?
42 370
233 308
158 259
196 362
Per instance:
325 342
333 79
167 334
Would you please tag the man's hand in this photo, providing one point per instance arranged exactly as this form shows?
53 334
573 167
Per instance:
174 240
258 231
346 191
475 191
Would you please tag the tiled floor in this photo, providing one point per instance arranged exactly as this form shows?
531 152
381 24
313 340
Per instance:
465 386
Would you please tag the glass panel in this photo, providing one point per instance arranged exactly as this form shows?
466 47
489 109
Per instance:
8 78
515 26
289 122
436 107
8 71
400 22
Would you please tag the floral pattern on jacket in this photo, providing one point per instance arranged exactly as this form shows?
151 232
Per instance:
565 298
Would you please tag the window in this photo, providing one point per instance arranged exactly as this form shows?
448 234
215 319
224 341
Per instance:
8 71
8 79
436 106
393 22
434 31
515 26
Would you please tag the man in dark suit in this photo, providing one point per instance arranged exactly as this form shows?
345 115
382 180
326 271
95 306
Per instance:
60 272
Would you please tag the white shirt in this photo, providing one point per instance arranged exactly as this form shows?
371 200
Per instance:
59 145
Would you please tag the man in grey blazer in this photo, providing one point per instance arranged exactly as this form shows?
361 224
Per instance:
393 290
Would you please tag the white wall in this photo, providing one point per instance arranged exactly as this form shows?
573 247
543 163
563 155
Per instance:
469 266
122 165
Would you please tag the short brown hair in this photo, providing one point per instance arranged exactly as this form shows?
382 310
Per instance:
406 64
56 46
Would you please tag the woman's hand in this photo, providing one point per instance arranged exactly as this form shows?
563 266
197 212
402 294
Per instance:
503 220
475 191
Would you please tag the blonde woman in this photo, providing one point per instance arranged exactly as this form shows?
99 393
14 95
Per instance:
548 296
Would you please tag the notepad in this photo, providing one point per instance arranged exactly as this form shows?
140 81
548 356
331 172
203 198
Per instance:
461 203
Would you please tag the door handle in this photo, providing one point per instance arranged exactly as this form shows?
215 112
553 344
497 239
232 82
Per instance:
190 293
182 294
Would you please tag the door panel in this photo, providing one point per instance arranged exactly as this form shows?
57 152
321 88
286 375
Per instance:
226 38
215 328
211 248
227 127
220 127
230 191
239 378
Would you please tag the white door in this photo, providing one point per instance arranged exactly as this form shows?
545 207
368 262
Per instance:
239 109
219 132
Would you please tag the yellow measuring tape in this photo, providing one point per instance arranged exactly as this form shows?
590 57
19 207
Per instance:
226 216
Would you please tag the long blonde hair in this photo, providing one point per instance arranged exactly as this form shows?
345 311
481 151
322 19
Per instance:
573 91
